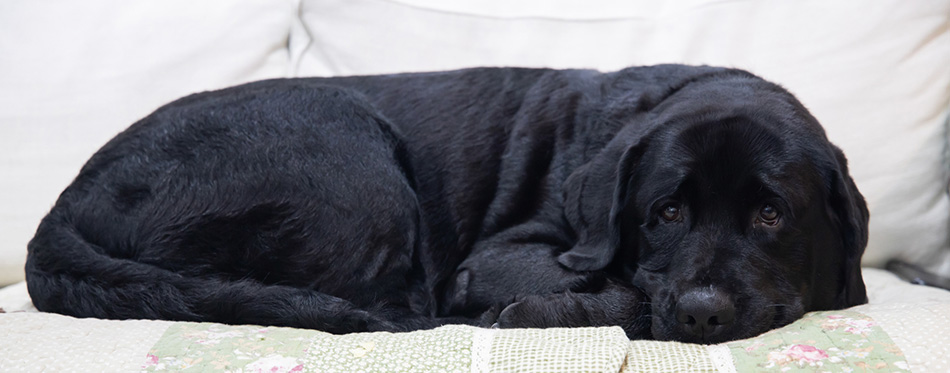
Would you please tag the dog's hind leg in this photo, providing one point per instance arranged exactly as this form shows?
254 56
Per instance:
90 284
284 203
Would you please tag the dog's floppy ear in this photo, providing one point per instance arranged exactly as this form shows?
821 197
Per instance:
594 197
847 205
595 193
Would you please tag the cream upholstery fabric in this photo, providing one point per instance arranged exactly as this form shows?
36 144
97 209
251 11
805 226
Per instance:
75 73
874 73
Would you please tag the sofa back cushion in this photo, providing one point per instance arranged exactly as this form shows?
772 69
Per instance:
75 73
875 74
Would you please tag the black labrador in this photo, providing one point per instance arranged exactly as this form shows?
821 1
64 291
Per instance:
697 204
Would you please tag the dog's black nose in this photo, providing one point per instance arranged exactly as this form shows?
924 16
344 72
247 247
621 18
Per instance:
705 312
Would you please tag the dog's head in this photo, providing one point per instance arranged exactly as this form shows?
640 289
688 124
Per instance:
724 202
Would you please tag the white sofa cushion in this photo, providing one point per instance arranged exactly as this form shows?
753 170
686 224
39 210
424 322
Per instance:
72 75
75 73
874 73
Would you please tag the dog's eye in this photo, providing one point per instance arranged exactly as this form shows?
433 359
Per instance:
768 215
671 212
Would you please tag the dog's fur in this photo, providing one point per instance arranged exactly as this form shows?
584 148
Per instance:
402 202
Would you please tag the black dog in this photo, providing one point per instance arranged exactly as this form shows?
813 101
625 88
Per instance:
682 203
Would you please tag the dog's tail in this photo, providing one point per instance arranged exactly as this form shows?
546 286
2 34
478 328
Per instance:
67 274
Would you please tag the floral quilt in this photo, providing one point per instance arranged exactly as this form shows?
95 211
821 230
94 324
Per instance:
903 327
839 341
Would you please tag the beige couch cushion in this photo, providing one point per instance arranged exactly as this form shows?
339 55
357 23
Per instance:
72 75
75 73
874 73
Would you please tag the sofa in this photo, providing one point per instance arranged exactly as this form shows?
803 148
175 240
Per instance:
875 74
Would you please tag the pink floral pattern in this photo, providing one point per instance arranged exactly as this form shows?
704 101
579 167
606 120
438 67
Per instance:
797 354
216 347
274 364
843 341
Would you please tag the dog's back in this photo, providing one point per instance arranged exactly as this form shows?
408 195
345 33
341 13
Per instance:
339 204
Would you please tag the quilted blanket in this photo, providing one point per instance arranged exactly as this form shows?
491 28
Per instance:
906 327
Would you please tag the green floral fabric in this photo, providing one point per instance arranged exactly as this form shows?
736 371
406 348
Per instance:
840 341
453 348
204 346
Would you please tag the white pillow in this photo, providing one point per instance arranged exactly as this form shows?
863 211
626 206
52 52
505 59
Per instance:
75 73
874 73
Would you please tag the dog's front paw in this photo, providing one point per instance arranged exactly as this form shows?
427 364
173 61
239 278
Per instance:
363 321
538 312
